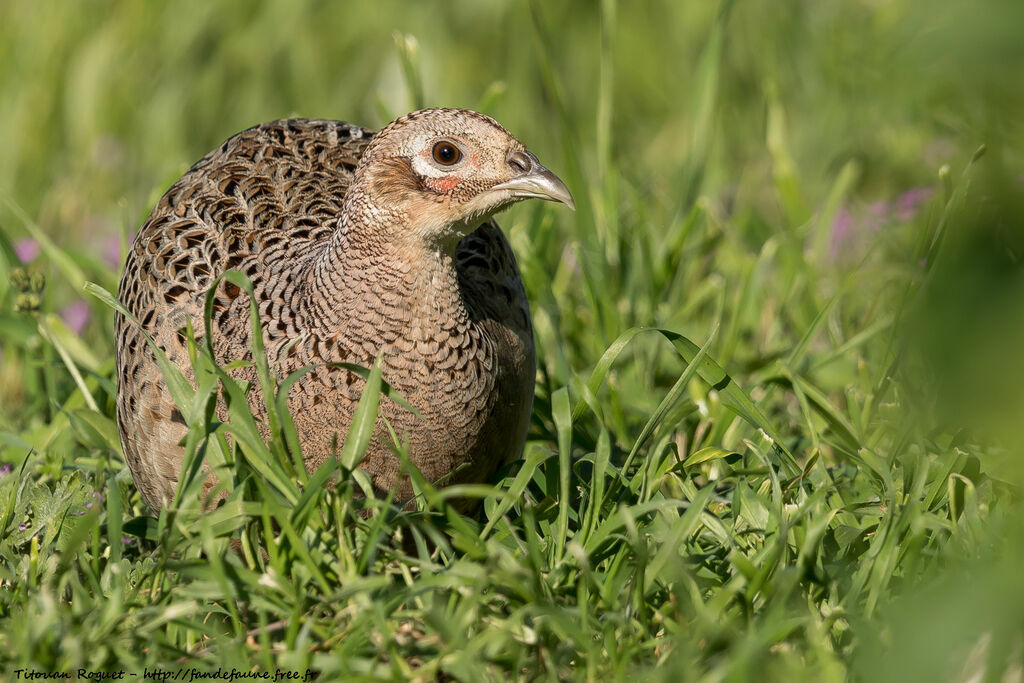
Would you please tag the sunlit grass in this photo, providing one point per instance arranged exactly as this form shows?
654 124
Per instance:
776 431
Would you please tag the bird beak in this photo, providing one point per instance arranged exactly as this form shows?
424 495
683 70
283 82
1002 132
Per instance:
533 180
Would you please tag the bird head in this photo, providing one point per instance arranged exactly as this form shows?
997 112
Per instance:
436 174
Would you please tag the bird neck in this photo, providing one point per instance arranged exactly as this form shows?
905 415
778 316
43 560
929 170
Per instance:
375 267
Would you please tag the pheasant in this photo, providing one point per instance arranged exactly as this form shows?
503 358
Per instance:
356 244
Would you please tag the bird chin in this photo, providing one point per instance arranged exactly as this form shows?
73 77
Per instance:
447 235
487 204
483 207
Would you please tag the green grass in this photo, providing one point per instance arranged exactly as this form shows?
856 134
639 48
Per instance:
777 428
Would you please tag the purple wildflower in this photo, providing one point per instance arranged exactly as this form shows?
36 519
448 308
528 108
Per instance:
848 229
112 251
877 217
99 499
5 469
127 540
76 315
842 230
908 203
27 250
22 527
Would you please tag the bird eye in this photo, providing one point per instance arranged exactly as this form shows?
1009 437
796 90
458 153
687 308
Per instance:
446 154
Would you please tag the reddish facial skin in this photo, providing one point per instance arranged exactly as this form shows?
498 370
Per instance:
446 184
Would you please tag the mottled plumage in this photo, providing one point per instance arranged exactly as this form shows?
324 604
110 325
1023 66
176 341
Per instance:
356 244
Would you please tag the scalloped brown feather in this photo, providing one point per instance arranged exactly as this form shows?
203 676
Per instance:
267 203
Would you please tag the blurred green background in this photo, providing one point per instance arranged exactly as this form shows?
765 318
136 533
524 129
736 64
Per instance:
735 164
103 102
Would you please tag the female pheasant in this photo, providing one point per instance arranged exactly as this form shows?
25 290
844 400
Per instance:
356 243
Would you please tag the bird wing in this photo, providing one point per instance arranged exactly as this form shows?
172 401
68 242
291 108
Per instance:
254 204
